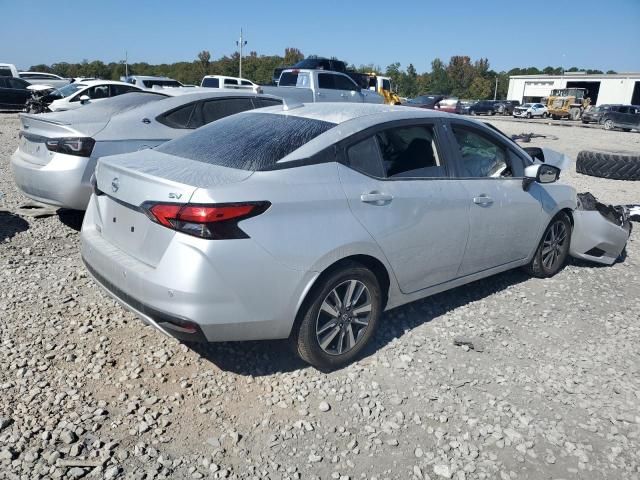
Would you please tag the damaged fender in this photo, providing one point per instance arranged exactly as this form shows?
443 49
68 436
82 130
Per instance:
600 232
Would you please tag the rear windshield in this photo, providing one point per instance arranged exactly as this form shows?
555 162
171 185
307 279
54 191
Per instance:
247 141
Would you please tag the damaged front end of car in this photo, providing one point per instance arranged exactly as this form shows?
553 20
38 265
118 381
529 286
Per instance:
600 232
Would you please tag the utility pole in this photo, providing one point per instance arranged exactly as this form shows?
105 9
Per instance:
126 63
495 91
241 43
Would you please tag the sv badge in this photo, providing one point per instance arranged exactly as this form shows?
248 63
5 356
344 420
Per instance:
177 196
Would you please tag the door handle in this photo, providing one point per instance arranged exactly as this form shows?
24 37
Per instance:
376 198
343 95
483 200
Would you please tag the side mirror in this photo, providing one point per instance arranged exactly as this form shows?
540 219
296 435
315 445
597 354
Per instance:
84 99
540 173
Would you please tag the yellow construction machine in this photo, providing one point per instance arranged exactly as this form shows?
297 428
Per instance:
567 103
381 85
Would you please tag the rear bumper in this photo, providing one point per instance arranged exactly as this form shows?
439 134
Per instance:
63 182
200 290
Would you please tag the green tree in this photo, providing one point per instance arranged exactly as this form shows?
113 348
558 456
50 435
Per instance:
204 58
480 88
292 56
439 78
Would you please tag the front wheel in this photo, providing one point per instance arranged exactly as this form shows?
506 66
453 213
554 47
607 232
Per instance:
545 115
339 317
608 124
553 249
529 115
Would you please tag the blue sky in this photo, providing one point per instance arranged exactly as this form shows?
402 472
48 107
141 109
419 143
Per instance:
605 34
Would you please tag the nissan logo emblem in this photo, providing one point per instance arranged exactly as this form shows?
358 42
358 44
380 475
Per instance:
115 184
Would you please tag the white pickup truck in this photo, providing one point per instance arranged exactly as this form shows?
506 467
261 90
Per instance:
308 86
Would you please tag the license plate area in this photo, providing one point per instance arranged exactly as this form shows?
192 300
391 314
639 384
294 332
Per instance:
124 226
35 151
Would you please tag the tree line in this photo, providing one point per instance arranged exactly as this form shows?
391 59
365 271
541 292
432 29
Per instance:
460 77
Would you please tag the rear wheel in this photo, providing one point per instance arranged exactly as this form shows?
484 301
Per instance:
553 249
339 317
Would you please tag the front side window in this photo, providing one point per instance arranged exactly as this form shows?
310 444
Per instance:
386 85
343 83
230 81
481 157
98 92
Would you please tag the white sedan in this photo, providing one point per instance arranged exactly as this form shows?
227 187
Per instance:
76 94
530 110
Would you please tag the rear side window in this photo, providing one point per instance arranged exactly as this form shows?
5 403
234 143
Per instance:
178 118
5 72
216 109
266 102
292 79
364 157
410 152
211 83
249 141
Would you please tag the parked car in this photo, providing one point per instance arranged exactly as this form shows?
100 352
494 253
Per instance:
626 117
505 107
42 78
593 114
390 204
77 94
530 110
309 86
484 107
58 151
149 83
428 101
465 105
449 105
221 81
8 70
14 93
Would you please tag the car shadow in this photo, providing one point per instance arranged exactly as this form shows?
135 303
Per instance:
268 357
71 218
11 225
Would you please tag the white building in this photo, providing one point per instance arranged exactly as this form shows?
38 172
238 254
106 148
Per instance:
621 88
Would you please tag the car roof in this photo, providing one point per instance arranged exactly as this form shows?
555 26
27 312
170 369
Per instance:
351 117
150 77
91 83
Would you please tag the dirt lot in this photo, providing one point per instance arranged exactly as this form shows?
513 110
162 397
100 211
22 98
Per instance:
552 390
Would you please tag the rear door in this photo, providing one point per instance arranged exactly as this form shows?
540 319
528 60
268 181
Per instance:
327 90
504 219
6 95
397 183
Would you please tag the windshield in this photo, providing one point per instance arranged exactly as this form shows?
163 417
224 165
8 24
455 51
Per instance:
161 83
247 141
68 90
527 105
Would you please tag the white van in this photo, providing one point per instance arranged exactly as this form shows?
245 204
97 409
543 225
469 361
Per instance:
221 81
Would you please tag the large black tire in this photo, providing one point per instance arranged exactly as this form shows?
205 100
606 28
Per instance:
538 266
306 337
608 165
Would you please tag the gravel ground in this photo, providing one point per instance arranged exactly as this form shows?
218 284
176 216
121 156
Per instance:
550 389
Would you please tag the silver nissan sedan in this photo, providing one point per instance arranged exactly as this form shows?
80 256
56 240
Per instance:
308 221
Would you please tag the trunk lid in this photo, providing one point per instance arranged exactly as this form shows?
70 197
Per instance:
131 179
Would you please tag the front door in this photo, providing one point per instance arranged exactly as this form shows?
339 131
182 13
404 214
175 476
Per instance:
504 219
398 188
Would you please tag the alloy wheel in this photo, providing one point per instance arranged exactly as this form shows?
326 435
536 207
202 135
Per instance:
343 317
553 244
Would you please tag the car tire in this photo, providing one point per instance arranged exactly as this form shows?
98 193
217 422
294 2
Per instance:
553 249
472 112
616 166
608 124
545 115
529 115
320 335
585 122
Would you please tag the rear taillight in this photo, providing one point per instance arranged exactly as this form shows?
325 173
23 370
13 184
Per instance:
214 222
79 146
